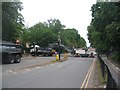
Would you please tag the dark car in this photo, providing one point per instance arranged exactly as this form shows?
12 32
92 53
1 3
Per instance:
91 55
45 51
11 53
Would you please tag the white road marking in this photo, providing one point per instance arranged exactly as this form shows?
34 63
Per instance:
86 80
51 64
9 71
27 69
38 67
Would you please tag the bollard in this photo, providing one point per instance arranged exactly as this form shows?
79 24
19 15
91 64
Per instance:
65 55
57 57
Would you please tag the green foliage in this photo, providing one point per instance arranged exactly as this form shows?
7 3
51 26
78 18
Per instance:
12 20
45 33
104 30
42 33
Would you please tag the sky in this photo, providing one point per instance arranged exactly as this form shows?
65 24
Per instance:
72 13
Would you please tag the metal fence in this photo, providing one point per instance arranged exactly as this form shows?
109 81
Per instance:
110 74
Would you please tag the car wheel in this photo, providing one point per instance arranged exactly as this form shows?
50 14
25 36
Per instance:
11 59
17 59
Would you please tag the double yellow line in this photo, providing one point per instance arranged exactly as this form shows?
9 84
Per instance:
87 78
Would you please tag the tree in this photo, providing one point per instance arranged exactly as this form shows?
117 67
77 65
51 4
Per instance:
42 35
12 20
47 33
71 38
104 31
55 25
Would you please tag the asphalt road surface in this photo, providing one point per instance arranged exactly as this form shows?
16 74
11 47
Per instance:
67 74
26 62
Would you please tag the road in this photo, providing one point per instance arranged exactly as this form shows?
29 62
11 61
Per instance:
68 74
26 62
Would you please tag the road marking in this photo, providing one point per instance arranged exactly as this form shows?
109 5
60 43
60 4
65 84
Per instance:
51 64
89 75
38 67
86 77
27 69
11 71
85 82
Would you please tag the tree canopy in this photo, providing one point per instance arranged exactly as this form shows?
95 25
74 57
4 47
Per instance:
48 32
104 30
12 20
41 33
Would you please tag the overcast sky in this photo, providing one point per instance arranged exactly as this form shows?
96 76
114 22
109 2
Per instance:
72 13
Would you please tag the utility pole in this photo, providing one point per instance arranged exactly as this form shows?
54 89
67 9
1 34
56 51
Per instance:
59 42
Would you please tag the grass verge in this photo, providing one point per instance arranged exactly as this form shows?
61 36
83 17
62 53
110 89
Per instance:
53 61
102 81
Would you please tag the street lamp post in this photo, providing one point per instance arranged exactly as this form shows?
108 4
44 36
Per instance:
59 42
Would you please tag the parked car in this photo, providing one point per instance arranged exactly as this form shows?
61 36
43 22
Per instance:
11 53
45 51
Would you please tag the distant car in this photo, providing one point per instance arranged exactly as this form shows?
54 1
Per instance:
91 55
11 53
80 53
77 55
